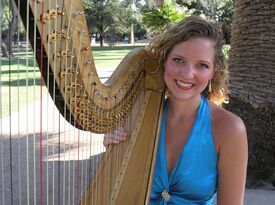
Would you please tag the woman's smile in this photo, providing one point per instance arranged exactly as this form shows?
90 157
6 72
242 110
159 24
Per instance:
184 85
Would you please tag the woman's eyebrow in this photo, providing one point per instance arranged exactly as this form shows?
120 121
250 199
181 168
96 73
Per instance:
205 61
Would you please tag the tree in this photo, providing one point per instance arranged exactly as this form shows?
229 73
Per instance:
158 19
125 18
218 10
99 15
251 63
9 22
113 19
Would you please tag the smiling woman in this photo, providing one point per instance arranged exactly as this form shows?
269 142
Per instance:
202 148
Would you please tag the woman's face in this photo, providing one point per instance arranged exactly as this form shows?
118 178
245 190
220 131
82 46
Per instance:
188 68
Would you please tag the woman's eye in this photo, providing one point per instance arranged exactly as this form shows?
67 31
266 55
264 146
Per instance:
178 60
204 66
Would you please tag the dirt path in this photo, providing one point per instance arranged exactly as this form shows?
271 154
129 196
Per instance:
67 161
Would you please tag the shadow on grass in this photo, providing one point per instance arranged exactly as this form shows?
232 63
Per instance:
30 71
22 82
23 62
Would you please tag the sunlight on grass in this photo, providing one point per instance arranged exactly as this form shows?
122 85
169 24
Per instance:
107 57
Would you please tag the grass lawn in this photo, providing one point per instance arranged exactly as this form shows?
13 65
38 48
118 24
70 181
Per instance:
110 57
20 77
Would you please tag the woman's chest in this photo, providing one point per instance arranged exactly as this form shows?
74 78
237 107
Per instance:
176 137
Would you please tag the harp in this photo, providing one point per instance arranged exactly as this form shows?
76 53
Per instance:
132 97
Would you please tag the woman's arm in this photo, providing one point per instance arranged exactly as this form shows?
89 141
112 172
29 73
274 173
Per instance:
233 156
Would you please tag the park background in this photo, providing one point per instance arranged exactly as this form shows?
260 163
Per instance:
116 27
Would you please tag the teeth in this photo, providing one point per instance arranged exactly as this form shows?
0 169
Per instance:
184 84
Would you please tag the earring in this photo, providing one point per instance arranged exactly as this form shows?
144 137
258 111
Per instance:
209 86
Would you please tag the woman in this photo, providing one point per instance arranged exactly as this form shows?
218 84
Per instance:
202 148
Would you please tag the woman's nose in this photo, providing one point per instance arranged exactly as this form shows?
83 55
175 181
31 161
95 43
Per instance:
187 71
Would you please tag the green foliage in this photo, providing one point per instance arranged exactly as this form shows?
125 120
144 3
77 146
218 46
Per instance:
99 14
159 19
213 9
226 18
219 10
112 18
226 50
124 17
6 15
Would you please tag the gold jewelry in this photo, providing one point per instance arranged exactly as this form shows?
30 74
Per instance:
209 86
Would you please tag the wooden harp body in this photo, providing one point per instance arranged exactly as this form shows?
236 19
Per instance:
132 97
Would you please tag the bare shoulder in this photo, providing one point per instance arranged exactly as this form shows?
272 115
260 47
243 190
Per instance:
225 120
227 127
230 138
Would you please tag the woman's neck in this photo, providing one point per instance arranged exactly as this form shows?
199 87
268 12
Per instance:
181 110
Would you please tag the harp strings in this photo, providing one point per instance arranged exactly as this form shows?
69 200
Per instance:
81 56
1 116
1 125
10 137
69 137
64 114
78 67
62 65
82 171
41 103
69 64
55 173
18 115
49 118
27 103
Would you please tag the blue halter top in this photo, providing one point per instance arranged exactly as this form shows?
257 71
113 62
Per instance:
193 180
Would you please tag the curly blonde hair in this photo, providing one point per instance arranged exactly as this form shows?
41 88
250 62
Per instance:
193 27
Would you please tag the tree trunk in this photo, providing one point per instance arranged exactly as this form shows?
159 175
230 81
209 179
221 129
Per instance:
253 51
101 39
4 49
252 72
131 35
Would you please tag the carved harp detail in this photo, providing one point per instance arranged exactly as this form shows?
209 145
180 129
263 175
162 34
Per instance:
132 97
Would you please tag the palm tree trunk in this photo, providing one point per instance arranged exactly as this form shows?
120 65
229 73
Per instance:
252 70
253 51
